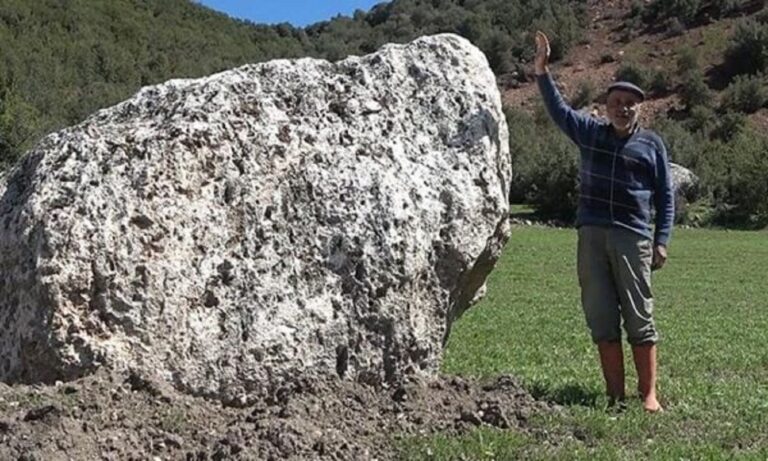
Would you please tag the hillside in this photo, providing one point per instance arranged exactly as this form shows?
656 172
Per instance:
614 39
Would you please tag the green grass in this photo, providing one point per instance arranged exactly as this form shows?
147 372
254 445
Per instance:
521 209
711 309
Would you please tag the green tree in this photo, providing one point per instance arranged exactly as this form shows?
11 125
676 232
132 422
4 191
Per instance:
18 125
634 73
544 165
747 52
695 92
747 93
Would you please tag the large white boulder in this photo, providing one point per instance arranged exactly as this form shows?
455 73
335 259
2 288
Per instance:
232 233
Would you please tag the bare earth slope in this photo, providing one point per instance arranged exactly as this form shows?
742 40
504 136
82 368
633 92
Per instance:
652 49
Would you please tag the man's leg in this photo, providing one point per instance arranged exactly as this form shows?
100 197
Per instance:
601 306
645 363
631 259
612 364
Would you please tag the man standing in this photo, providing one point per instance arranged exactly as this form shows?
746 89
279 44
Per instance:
624 173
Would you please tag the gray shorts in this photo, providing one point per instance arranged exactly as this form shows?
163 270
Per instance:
614 268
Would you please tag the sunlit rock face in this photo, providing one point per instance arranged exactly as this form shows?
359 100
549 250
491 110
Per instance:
233 233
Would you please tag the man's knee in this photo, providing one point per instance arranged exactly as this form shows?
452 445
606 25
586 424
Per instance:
606 336
645 334
604 328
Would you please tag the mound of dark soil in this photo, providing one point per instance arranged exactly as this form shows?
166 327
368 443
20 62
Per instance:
130 418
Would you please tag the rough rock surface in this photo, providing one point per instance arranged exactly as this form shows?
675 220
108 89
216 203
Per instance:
685 181
686 185
233 233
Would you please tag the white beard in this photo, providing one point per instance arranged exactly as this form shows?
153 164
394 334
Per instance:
629 125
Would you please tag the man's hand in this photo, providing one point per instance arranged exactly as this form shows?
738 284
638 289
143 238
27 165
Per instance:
542 54
659 257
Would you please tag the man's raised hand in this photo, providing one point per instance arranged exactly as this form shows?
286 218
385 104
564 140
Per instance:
542 54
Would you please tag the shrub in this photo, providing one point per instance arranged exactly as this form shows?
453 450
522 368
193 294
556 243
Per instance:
628 34
634 73
544 165
585 94
636 9
522 144
737 173
684 146
695 92
746 94
685 10
688 11
496 47
632 28
19 123
701 119
728 7
761 16
747 52
688 61
675 28
729 126
560 20
732 166
661 82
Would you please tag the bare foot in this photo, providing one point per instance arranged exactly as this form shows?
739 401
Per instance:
651 404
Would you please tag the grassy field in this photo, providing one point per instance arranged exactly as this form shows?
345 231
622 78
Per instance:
712 311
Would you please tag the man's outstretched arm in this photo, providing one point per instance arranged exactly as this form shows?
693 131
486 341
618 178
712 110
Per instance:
576 125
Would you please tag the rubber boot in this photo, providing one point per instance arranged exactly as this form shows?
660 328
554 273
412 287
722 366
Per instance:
645 363
612 363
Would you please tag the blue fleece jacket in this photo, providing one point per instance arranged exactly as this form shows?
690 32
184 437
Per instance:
622 179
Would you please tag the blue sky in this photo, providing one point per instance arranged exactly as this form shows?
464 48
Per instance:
297 12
